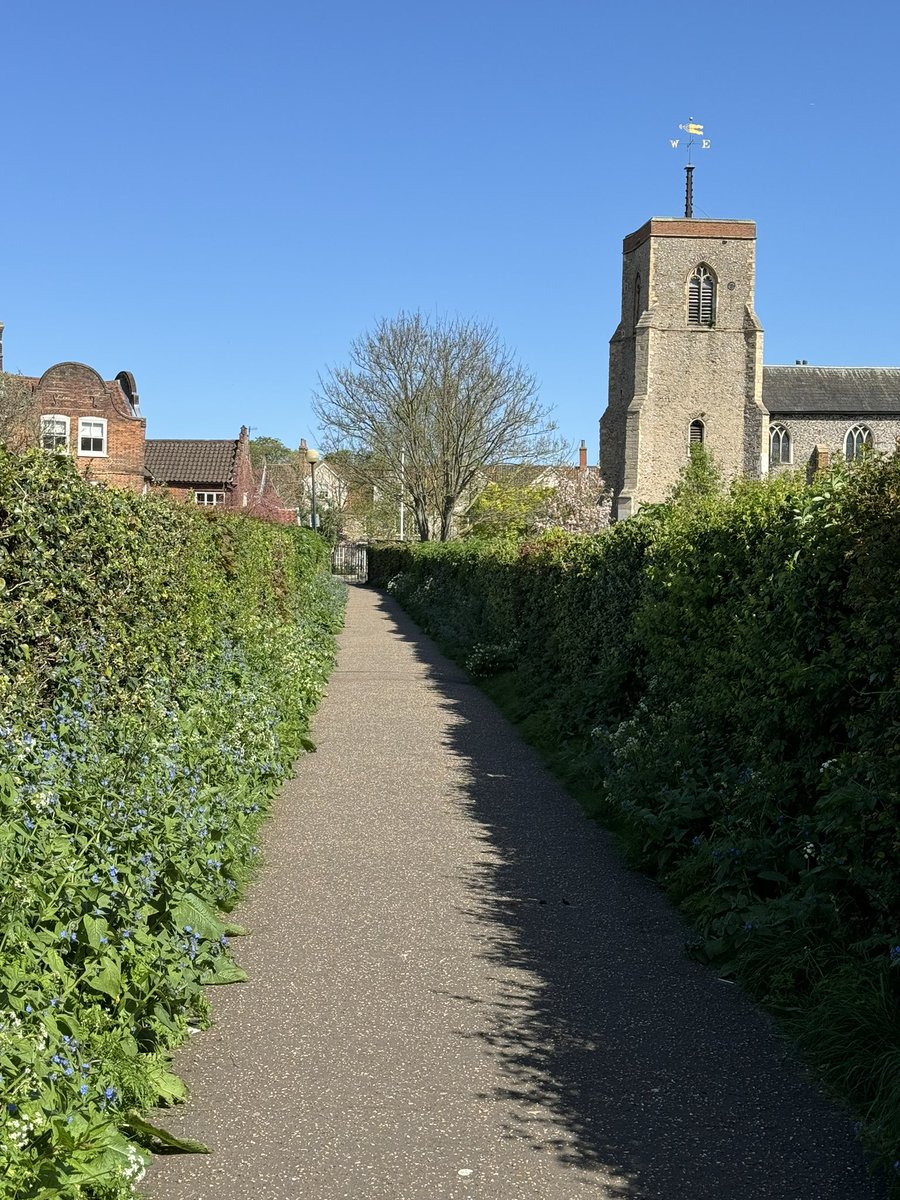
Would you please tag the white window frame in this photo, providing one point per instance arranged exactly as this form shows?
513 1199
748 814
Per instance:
858 436
218 499
782 432
68 427
101 421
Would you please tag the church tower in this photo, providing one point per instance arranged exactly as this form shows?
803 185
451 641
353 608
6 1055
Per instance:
685 363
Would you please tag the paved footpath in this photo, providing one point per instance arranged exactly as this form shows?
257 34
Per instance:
458 993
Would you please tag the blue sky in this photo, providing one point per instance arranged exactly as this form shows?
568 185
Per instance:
218 196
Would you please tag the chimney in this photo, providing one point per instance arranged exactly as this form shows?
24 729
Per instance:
582 456
245 434
303 446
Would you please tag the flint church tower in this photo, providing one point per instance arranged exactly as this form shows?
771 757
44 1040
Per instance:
685 363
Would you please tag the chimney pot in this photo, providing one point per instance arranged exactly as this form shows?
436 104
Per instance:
582 456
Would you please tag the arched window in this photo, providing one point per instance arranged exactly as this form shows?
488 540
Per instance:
779 444
697 434
637 299
702 297
856 438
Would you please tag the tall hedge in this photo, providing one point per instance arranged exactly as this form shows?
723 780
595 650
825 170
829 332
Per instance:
158 668
727 670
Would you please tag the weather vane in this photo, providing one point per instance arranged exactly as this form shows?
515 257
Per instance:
694 131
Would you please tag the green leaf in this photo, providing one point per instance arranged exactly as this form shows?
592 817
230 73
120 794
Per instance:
225 971
155 1132
308 745
108 979
232 930
196 913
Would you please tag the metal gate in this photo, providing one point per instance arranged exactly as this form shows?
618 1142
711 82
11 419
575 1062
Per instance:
350 560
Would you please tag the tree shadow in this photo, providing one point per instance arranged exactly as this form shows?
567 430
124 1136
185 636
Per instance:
619 1054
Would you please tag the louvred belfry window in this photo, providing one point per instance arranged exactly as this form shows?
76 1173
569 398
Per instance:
697 432
701 297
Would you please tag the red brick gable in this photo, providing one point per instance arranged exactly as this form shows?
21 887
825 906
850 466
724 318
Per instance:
76 392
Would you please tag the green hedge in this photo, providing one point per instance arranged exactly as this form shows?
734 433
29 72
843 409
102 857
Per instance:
158 668
726 670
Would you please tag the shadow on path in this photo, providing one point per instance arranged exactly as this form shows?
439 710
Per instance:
648 1065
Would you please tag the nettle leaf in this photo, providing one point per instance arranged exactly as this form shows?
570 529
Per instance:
195 913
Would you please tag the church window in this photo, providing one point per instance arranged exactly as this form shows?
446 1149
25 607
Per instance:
697 433
701 297
779 444
637 299
856 438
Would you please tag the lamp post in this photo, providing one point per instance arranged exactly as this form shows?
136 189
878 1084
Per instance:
312 457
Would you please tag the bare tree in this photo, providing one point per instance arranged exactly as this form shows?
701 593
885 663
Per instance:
19 422
424 405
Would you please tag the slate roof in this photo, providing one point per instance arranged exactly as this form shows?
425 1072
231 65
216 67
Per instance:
845 391
186 460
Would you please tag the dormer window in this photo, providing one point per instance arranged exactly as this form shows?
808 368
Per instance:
702 297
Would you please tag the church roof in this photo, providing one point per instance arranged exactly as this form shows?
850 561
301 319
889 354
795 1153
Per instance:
185 460
840 390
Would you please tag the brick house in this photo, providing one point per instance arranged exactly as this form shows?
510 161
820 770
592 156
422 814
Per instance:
99 423
213 472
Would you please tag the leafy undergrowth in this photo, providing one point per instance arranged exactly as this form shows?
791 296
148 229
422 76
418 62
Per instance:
159 669
718 680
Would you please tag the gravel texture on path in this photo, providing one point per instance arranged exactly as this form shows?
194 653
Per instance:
457 991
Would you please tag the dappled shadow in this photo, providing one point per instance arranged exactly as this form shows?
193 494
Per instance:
619 1055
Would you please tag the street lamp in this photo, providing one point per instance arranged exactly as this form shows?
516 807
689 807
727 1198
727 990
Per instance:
312 457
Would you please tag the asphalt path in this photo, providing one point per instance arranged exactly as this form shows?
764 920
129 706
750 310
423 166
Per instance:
458 992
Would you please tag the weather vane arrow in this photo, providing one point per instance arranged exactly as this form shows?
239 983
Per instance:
694 130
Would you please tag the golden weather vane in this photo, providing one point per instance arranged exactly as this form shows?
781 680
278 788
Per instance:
694 130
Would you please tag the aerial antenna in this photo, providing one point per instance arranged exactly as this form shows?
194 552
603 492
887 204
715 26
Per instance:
694 131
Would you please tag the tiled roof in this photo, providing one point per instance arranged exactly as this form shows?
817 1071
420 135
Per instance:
842 390
183 460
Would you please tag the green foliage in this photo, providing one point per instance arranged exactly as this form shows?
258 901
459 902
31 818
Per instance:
506 510
270 450
726 668
159 668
